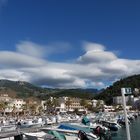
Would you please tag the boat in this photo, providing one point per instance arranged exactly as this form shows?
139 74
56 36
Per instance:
113 126
6 128
38 136
65 134
30 123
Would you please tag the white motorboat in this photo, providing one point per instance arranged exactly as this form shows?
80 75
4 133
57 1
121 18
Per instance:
30 123
6 128
38 136
70 134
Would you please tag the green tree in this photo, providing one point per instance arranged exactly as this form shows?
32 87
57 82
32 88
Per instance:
14 110
49 105
40 109
3 106
76 110
55 102
118 107
99 105
89 107
84 103
32 108
24 108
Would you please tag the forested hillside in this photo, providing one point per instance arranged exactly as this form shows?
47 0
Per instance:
115 89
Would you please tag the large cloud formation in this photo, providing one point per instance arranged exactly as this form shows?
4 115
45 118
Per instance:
95 68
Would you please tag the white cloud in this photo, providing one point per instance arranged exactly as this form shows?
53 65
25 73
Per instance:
88 46
14 75
96 53
31 49
14 59
36 50
95 68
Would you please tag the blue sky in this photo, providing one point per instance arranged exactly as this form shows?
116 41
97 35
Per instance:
56 40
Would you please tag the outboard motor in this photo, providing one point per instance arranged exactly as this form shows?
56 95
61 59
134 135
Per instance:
102 133
18 137
98 131
82 135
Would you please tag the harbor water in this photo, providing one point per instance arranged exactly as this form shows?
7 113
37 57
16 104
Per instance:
134 130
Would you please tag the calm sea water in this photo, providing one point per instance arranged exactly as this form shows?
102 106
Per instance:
134 130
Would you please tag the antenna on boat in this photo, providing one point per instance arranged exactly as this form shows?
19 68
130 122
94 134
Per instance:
126 91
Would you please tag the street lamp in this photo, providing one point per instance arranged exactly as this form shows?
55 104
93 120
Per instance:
126 91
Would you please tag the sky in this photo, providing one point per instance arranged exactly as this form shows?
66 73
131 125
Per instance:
69 43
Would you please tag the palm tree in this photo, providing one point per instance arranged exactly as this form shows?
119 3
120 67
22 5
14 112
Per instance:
99 105
55 102
84 103
40 109
68 103
33 108
32 105
14 109
49 105
3 106
24 108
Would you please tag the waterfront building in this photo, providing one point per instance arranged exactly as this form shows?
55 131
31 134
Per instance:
94 103
15 105
69 104
75 105
136 90
43 105
5 98
108 108
11 103
62 106
118 100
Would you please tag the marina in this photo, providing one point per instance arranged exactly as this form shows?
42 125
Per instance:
71 129
69 70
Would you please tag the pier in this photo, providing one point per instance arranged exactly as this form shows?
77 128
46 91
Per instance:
19 132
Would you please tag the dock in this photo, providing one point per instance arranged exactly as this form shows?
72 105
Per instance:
18 132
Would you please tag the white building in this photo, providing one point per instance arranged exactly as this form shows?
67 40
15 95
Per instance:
94 103
62 105
74 104
43 105
136 90
5 98
108 108
15 104
118 100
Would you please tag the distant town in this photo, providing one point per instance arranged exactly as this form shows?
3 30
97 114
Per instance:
33 106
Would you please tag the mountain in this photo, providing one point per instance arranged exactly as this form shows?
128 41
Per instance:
23 89
115 89
81 93
19 88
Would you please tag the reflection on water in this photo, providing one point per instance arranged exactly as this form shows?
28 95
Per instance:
134 130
